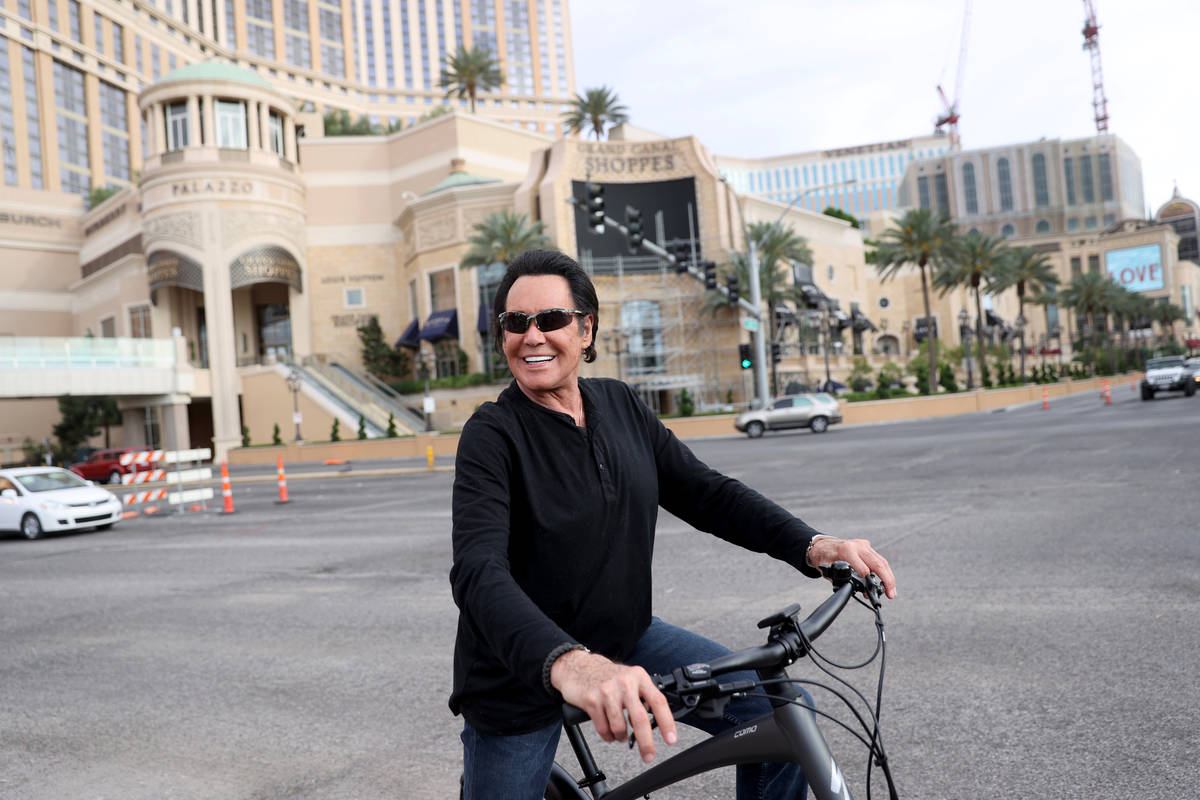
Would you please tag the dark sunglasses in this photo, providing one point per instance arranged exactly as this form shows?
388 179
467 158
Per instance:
550 319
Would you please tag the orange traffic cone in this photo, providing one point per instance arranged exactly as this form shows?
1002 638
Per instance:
1045 398
225 491
283 496
1107 393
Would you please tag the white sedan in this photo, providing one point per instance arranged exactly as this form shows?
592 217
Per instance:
37 500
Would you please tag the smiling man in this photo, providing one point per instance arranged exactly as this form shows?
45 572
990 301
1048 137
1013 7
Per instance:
556 493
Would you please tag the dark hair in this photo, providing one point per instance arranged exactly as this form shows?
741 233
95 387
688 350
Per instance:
550 262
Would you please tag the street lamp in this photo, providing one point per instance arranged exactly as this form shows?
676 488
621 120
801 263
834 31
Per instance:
294 381
1019 324
906 329
963 333
1057 334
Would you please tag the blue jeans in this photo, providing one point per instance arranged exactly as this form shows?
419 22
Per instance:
518 767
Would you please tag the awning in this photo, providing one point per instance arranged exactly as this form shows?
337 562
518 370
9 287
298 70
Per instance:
409 338
813 297
483 323
861 323
993 319
440 325
841 319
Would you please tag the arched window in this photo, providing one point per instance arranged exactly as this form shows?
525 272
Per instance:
969 195
1008 231
641 321
1004 181
1041 190
1043 226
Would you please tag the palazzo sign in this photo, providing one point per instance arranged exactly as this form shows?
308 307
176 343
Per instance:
211 186
632 158
1137 269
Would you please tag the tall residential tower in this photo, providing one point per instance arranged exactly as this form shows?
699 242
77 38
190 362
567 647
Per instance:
71 70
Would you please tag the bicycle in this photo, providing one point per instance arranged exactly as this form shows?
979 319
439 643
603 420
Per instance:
788 733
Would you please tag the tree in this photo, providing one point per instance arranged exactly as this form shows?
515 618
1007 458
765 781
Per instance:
1166 315
466 73
392 433
379 357
275 437
334 436
362 427
778 246
595 109
837 213
918 238
1086 294
975 260
81 419
1028 271
499 238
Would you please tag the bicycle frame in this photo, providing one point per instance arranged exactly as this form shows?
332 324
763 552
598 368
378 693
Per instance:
788 734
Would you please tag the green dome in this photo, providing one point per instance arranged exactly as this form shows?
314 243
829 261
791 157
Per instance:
216 71
460 179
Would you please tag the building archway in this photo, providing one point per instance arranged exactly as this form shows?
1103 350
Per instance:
261 280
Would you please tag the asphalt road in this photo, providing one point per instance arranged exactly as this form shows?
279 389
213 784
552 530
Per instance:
1044 644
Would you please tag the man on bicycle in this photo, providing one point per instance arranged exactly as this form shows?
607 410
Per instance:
556 493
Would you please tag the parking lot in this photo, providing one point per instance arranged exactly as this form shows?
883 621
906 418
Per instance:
1044 642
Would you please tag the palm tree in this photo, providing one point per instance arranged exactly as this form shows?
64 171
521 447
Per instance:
778 246
1086 294
597 109
918 238
1166 315
1027 270
498 239
501 237
465 73
976 260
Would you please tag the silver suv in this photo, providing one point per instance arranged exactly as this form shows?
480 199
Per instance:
816 411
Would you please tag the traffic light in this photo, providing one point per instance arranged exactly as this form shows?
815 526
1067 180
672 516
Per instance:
744 356
775 352
596 207
633 224
710 275
731 283
683 255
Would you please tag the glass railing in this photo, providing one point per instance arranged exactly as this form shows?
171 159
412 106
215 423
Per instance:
42 352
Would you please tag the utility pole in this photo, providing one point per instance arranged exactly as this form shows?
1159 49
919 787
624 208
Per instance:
760 335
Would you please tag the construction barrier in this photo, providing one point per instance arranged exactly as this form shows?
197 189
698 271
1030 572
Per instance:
141 457
283 494
226 492
179 477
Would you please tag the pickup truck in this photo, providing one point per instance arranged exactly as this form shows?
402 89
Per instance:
1168 374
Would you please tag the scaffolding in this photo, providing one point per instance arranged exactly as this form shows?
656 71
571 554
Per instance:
664 336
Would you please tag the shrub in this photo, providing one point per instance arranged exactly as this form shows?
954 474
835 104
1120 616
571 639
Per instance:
362 427
245 436
392 433
334 436
275 439
946 378
860 375
686 406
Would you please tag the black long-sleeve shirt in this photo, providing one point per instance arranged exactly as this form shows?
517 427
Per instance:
554 533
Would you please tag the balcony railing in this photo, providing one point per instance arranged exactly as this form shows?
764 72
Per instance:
32 352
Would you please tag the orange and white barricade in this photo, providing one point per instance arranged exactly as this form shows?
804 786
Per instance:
141 457
179 493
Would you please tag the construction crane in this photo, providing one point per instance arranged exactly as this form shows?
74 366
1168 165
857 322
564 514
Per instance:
949 115
1091 43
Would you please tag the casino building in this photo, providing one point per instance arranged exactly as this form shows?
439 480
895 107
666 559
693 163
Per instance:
260 251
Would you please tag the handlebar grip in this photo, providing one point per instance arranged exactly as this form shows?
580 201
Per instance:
574 715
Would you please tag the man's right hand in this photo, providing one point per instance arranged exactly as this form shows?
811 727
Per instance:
608 691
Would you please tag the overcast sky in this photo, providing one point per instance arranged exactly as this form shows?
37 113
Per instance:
767 77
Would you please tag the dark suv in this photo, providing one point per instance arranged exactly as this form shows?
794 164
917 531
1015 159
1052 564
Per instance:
104 466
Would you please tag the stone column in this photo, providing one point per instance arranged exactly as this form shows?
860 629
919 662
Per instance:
133 426
176 435
289 139
252 118
209 121
158 129
222 355
193 121
264 126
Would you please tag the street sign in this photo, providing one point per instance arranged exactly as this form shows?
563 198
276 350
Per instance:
750 324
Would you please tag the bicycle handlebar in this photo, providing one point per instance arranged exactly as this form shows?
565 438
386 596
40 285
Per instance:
786 644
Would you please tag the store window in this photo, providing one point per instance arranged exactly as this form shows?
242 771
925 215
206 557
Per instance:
139 322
